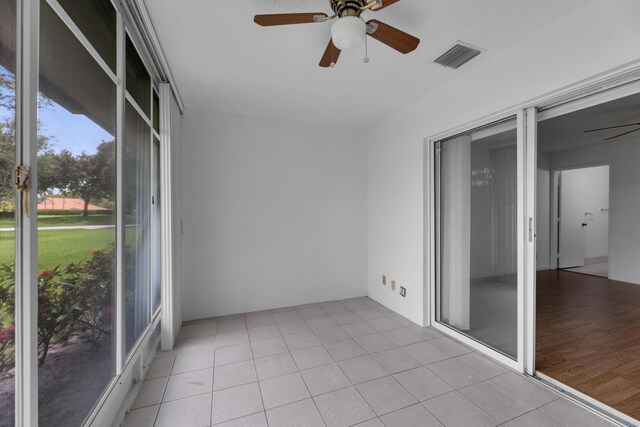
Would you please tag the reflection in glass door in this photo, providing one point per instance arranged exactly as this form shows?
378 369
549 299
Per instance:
476 231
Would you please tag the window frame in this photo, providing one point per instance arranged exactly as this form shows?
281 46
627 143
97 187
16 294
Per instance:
135 364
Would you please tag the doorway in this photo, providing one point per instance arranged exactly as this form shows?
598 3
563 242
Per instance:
582 225
573 330
588 276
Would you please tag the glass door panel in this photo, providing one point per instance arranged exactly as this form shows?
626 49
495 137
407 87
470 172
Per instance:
156 242
477 256
7 209
76 226
137 207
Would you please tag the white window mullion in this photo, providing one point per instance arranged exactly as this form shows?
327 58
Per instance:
120 225
26 224
522 235
529 308
166 218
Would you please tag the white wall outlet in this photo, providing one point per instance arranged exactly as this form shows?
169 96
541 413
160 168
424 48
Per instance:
393 285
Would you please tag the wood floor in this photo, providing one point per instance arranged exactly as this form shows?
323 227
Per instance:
588 336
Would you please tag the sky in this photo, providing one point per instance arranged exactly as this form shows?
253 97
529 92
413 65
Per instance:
73 132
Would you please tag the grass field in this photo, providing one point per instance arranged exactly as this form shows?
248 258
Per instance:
60 247
61 220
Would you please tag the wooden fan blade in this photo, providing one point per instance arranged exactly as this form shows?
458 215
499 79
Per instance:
331 55
289 18
612 127
392 37
622 134
385 3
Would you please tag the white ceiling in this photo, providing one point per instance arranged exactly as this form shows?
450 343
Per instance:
222 61
567 131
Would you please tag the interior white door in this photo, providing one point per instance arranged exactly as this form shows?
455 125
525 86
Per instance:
571 233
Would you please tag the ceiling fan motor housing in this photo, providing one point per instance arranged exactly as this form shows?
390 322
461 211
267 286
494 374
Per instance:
344 8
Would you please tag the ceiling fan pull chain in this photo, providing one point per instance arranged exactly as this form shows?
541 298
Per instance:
366 52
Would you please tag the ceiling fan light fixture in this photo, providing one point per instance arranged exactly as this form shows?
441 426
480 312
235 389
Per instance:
348 32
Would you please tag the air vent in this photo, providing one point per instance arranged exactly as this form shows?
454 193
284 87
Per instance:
458 55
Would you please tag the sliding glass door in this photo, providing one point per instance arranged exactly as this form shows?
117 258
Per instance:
477 235
76 220
79 209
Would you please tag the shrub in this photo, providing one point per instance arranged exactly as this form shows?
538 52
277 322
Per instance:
93 280
75 300
7 328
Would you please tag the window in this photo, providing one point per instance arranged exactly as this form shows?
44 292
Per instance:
137 196
77 203
477 266
138 79
156 240
76 220
7 208
156 112
97 21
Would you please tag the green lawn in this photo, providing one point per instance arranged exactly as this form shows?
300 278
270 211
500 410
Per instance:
60 247
61 220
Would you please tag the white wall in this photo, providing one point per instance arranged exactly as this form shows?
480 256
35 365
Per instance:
597 230
274 213
544 214
565 52
624 200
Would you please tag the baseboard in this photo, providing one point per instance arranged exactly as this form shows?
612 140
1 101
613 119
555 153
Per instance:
543 267
624 279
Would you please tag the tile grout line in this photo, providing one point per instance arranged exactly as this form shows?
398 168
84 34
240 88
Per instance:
213 374
155 420
323 345
308 391
255 367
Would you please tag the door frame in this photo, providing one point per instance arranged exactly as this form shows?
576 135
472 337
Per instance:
431 202
554 238
612 84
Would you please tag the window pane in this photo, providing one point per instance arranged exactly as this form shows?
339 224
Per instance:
478 269
138 79
157 241
76 189
97 21
156 112
137 195
7 208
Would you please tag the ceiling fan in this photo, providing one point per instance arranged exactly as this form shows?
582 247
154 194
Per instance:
616 127
350 30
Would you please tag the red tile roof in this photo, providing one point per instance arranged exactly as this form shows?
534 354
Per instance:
66 203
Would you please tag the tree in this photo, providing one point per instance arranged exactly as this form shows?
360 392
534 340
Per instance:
8 141
87 176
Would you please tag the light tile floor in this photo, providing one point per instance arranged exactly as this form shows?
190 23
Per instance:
339 363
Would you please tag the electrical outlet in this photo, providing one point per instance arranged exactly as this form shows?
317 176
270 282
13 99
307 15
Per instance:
393 285
384 279
403 291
